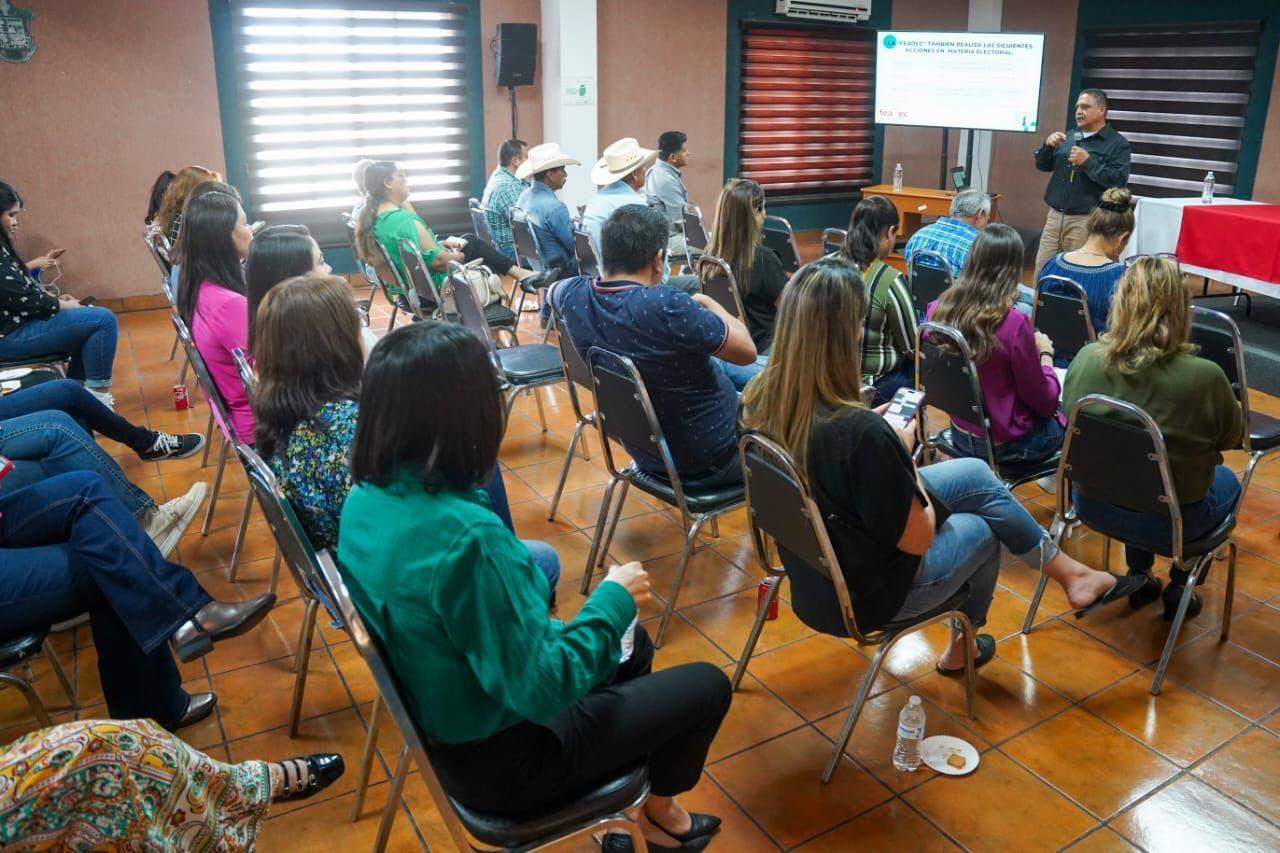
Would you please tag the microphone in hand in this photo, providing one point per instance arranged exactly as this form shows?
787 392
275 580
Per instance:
1073 139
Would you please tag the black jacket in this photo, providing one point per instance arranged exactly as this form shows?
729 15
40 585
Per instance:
1107 166
21 297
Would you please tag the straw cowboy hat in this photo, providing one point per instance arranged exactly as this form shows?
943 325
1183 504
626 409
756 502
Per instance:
621 159
543 157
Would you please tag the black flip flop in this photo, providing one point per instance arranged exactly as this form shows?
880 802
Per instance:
986 651
1126 585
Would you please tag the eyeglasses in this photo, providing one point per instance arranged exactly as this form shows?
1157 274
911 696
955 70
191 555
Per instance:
1164 256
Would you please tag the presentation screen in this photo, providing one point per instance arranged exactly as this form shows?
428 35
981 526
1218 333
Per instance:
981 81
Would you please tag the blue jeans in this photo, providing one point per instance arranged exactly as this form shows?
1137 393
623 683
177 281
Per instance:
1040 442
903 376
741 374
508 251
1150 534
88 335
544 556
68 546
44 444
67 395
966 548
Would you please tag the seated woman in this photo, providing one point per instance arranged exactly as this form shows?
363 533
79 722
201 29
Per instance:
1144 358
889 327
168 216
520 711
306 417
906 539
34 322
211 295
78 785
277 253
1020 389
1096 265
387 216
68 546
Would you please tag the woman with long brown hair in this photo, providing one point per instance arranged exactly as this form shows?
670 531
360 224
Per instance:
906 539
1144 358
168 217
1020 389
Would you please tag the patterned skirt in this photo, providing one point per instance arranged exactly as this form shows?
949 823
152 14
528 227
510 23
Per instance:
128 786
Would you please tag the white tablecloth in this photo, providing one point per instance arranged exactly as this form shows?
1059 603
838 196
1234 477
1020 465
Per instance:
1158 221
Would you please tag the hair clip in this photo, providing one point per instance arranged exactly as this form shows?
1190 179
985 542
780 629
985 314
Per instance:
1116 206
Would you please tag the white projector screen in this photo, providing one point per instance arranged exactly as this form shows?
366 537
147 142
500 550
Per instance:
979 81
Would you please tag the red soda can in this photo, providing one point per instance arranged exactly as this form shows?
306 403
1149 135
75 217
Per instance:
762 590
180 399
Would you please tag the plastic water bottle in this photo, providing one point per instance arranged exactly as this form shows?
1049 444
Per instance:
1206 194
906 752
897 178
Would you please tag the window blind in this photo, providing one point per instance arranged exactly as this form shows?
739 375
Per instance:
806 123
1179 94
322 85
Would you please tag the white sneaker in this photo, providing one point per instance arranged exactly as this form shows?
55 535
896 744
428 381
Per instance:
167 522
104 398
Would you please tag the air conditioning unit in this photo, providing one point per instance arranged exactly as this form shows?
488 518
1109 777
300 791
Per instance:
845 11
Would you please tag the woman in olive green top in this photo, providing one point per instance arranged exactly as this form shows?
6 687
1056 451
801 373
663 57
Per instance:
1144 358
520 711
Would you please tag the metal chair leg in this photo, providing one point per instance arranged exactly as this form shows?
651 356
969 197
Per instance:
366 758
275 572
208 440
182 374
1231 590
301 659
685 555
1174 630
55 663
864 690
173 350
217 486
715 527
605 545
756 628
28 693
240 534
393 802
1057 529
564 470
602 518
542 416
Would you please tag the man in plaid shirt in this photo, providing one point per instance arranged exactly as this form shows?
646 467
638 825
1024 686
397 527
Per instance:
502 191
952 236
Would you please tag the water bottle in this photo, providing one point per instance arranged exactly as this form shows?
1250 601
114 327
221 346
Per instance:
906 752
897 178
1206 194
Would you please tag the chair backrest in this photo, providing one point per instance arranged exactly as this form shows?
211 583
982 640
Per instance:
1115 452
248 378
717 281
158 249
1062 313
527 249
949 379
389 689
205 379
585 250
479 220
833 240
1219 340
367 270
470 314
575 369
780 507
777 235
928 274
421 283
695 231
394 287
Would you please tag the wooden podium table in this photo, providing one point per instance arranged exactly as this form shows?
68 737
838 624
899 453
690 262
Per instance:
913 203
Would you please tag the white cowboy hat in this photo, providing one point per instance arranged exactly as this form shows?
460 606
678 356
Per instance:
621 159
543 157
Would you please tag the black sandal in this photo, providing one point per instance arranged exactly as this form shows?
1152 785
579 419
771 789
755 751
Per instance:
986 651
306 776
701 826
1126 585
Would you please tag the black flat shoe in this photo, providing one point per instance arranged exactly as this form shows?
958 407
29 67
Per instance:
1149 592
703 826
1126 585
199 706
986 651
1173 594
617 842
532 283
216 621
307 776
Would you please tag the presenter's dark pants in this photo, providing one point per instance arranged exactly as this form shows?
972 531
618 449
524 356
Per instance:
666 718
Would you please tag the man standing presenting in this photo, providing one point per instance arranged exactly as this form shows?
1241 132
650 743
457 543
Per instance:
1090 159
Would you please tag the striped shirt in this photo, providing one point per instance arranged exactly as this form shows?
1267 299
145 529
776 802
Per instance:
499 195
951 238
889 331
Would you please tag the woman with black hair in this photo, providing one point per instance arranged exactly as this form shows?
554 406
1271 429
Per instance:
34 322
521 712
889 325
157 195
277 253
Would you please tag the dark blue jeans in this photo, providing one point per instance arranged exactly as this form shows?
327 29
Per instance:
1149 534
88 335
903 376
1042 441
67 395
67 546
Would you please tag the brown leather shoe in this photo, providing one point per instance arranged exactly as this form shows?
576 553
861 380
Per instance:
216 621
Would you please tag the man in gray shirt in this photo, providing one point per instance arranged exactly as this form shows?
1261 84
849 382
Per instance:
664 184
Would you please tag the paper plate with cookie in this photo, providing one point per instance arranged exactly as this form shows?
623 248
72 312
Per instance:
949 755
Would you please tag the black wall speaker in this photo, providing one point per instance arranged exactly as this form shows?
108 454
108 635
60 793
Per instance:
517 54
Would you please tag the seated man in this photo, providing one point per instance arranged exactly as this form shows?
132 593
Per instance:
952 236
620 176
672 338
664 185
502 191
548 217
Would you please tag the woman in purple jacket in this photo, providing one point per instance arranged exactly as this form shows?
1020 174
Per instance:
1020 389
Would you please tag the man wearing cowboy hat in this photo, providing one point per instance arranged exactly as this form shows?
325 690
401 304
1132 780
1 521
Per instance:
552 225
620 176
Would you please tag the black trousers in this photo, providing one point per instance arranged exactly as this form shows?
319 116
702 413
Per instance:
493 259
666 718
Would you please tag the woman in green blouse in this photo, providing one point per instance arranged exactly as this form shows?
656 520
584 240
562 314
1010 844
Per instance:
521 712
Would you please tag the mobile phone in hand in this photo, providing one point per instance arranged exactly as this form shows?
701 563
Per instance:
903 406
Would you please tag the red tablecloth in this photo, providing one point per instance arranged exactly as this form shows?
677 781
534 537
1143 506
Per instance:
1238 238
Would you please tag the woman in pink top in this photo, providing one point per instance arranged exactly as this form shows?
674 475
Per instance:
212 244
1020 390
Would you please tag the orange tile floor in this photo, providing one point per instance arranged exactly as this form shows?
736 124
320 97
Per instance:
1075 753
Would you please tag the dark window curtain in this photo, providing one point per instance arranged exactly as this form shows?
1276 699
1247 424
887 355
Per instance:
1179 94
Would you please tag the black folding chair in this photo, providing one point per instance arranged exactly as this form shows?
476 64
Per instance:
579 376
720 285
585 250
399 293
833 240
498 315
928 274
780 507
625 413
603 808
1115 452
695 231
248 376
18 651
528 252
369 273
1061 311
949 379
777 235
479 220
